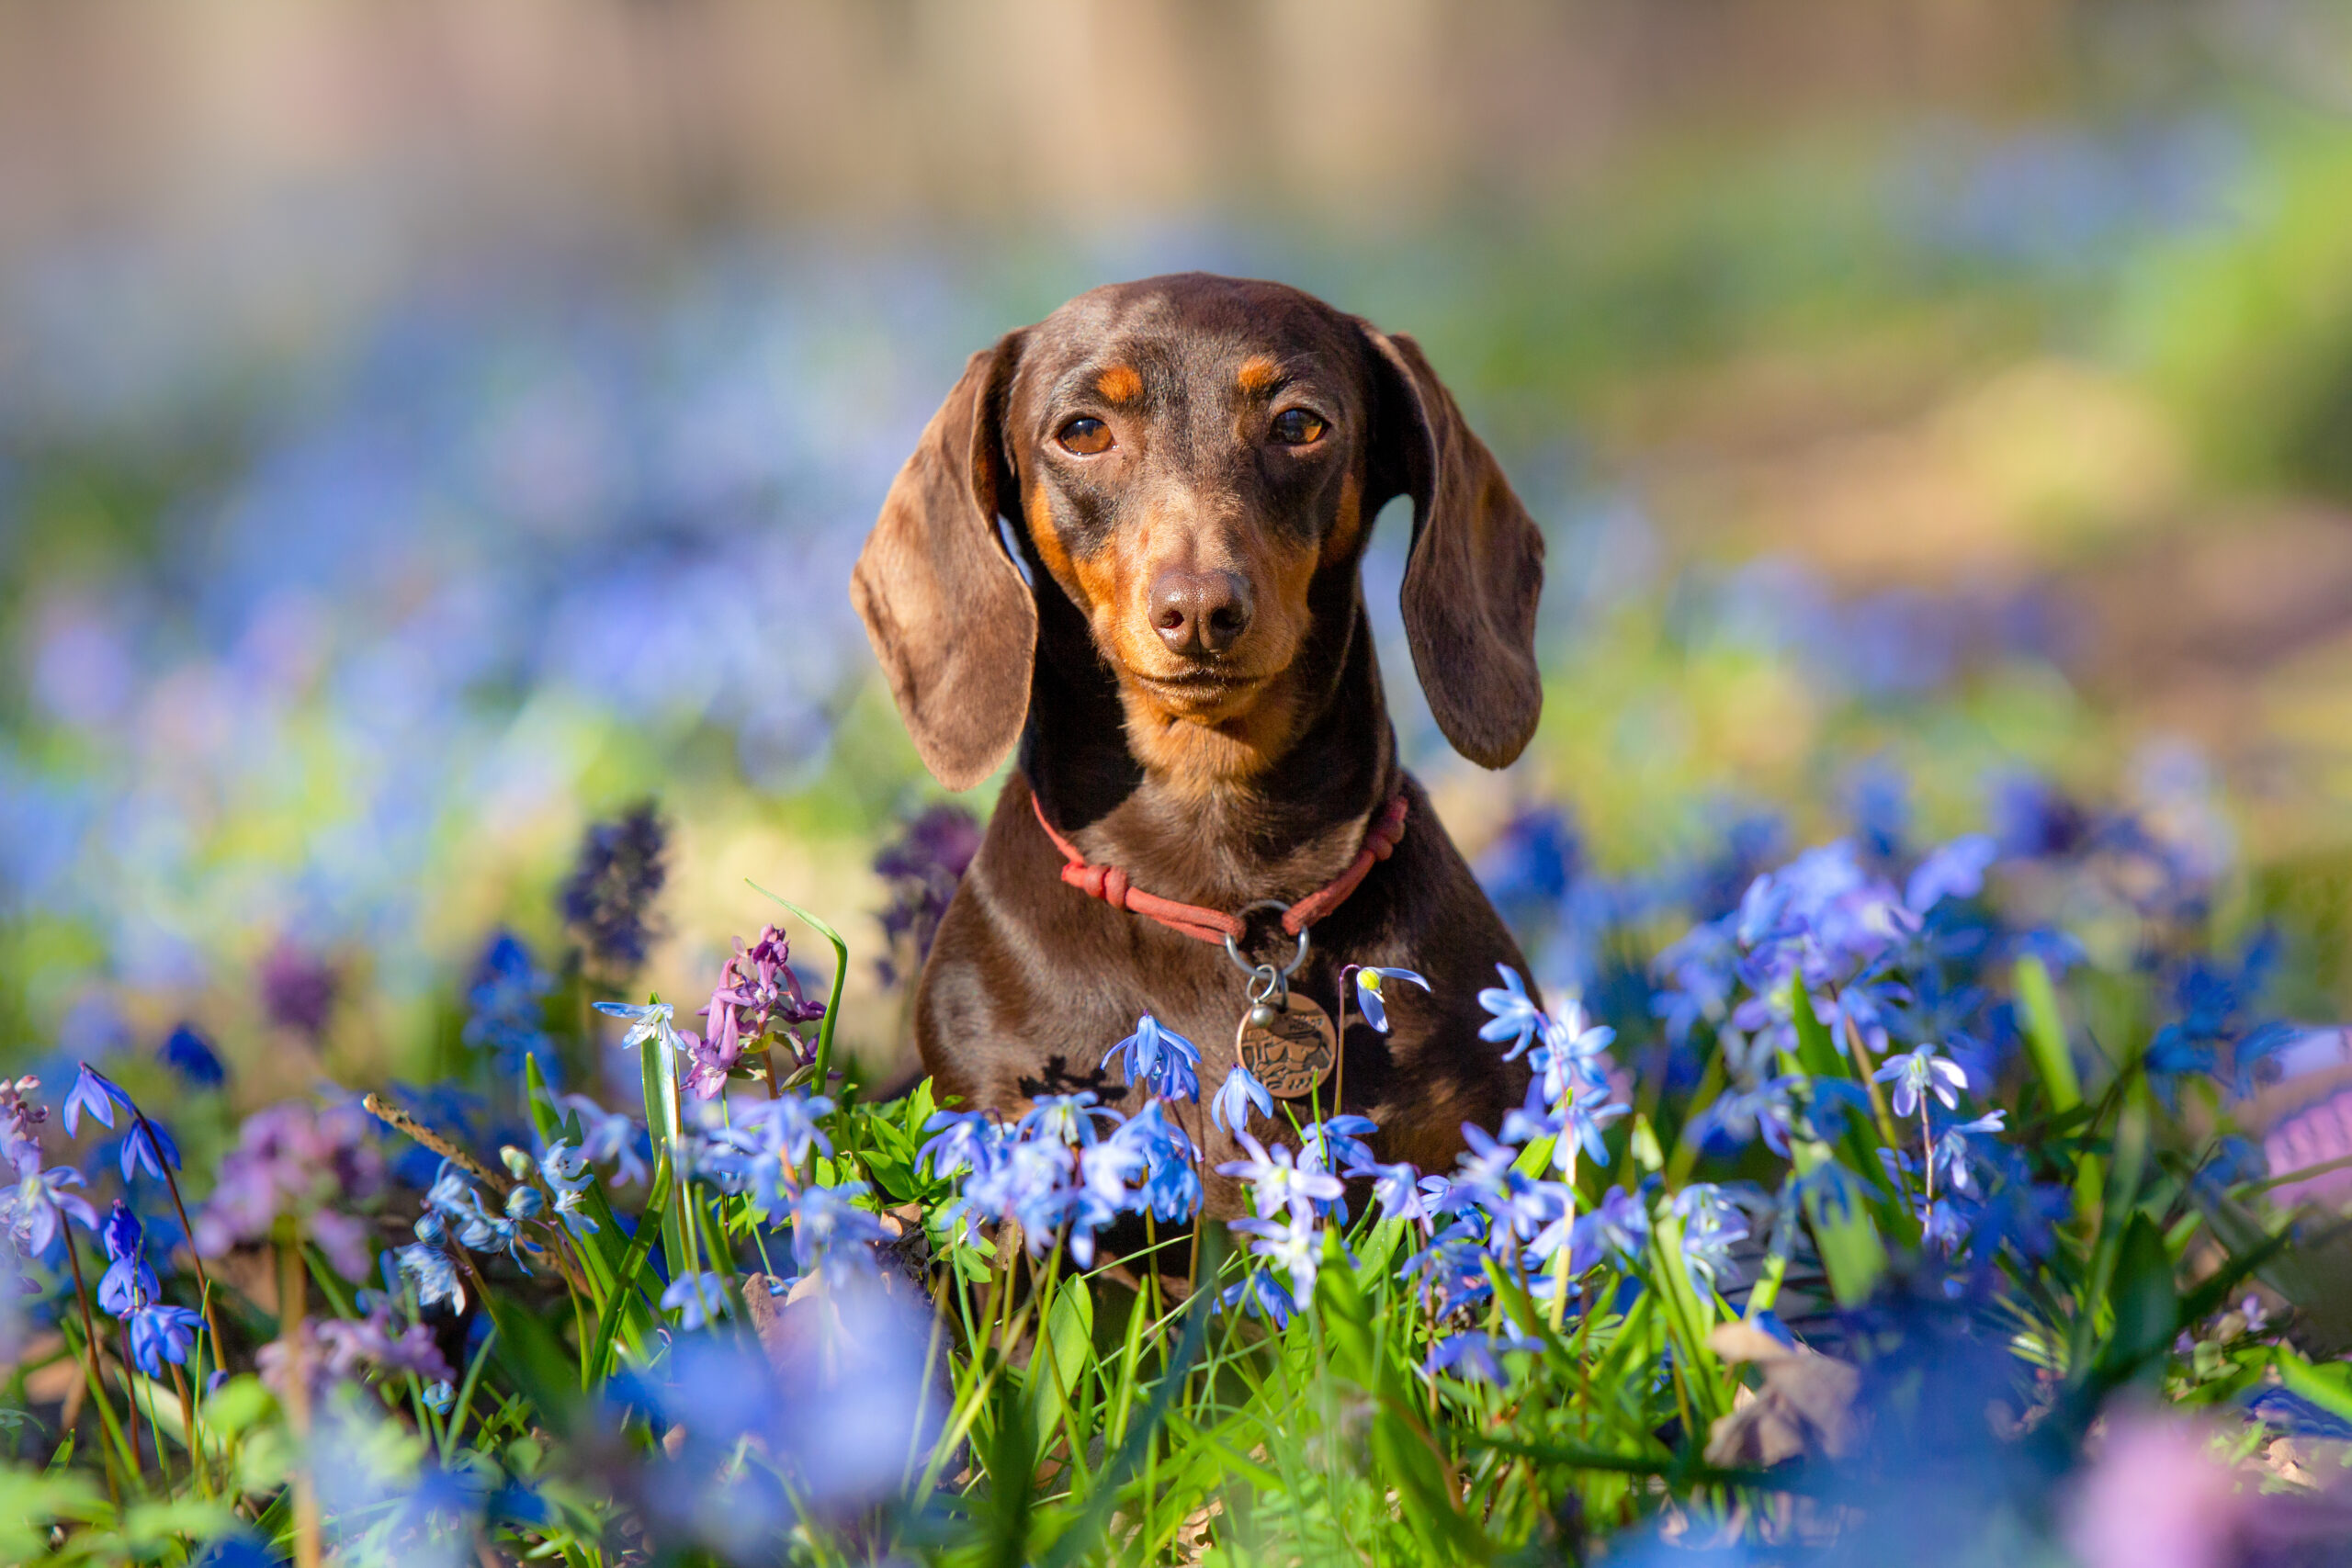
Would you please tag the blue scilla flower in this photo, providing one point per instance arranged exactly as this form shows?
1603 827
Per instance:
1955 869
94 1092
831 1233
1709 1226
435 1273
161 1332
1516 1017
1262 1294
1951 1158
1063 1118
128 1282
1336 1143
1293 1244
1922 1071
1742 1114
188 1054
647 1020
1159 1057
696 1298
1571 1051
438 1397
608 1137
1368 997
1238 1092
1468 1355
1169 1187
1619 1229
148 1146
1277 1182
1028 1186
508 1016
960 1141
1399 1191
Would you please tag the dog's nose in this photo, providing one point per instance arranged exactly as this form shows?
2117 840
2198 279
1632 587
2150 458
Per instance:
1199 612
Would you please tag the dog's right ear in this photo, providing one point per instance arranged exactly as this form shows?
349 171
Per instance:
949 617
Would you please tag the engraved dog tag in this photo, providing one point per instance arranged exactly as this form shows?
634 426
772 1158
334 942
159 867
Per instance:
1294 1054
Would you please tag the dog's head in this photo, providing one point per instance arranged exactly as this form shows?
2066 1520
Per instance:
1194 461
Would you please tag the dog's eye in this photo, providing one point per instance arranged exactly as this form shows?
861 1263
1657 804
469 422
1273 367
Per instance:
1296 427
1085 436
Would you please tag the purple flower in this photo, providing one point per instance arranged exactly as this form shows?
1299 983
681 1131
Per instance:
922 868
757 992
94 1092
294 1158
189 1055
1368 997
39 1202
297 990
373 1340
1922 1071
1240 1090
1161 1057
160 1334
1516 1016
615 880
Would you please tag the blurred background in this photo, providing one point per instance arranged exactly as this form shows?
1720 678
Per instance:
430 429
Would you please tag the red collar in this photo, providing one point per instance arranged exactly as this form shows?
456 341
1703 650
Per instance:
1110 884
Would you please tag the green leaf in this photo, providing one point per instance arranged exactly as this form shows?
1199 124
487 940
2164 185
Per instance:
2326 1384
2046 1034
2147 1307
1062 1357
1817 1052
1843 1232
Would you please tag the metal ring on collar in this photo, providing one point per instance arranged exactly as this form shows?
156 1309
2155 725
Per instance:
1233 949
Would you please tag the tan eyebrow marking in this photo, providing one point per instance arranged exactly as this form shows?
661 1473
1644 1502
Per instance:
1258 373
1119 383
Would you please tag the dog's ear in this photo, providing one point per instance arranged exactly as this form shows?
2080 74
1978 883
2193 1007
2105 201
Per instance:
1476 566
950 618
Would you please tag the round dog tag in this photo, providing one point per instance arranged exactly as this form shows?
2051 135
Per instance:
1291 1053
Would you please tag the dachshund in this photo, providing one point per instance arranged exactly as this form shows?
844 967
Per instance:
1128 544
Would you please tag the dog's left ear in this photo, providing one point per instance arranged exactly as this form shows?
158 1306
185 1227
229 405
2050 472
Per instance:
1476 566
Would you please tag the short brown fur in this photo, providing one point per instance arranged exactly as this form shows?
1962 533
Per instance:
1213 775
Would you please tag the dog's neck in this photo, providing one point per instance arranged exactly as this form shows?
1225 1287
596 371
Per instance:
1277 834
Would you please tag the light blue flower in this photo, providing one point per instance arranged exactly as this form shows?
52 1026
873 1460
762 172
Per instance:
148 1147
647 1020
1516 1017
1240 1090
1368 997
1293 1245
435 1273
608 1136
1918 1072
159 1332
960 1141
438 1397
1468 1355
1063 1118
1277 1181
696 1298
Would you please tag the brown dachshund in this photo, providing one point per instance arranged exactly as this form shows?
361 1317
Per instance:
1188 468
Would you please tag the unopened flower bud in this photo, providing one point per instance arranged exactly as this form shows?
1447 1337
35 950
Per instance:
518 1163
524 1203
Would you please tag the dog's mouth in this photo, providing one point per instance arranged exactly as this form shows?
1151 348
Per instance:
1207 693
